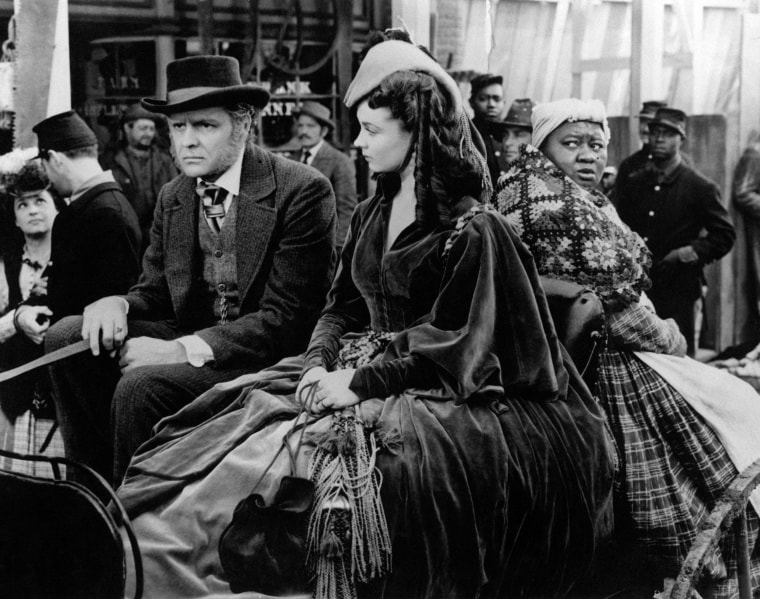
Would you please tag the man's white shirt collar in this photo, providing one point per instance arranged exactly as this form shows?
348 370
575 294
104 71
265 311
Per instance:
313 151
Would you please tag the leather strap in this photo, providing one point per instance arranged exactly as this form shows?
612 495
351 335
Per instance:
54 356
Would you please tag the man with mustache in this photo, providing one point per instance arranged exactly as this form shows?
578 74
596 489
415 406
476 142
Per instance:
140 166
313 125
679 214
238 266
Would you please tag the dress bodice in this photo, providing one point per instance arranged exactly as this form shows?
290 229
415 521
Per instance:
400 285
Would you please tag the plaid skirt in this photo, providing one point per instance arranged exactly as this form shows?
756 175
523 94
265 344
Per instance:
673 469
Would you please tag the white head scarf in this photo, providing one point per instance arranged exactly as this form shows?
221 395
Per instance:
550 115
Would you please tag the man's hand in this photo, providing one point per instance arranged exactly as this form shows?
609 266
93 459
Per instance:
28 321
333 392
146 351
682 255
105 321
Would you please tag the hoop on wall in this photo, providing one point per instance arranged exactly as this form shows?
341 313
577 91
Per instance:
280 58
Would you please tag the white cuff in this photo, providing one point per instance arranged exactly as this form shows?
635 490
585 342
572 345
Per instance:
7 328
198 351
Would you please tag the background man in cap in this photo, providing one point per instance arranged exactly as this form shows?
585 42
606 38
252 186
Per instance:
140 166
514 130
487 102
313 124
238 266
678 213
96 238
641 157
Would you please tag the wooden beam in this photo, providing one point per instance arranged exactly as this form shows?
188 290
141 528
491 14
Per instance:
343 56
165 10
206 26
555 47
614 63
580 15
690 14
647 18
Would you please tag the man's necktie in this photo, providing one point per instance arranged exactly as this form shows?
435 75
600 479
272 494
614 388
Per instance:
212 197
32 263
306 156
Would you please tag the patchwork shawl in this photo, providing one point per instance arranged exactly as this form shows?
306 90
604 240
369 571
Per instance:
575 234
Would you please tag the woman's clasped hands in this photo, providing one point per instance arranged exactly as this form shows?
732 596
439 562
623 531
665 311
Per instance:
331 389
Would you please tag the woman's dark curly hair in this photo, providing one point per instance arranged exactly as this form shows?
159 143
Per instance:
31 177
443 172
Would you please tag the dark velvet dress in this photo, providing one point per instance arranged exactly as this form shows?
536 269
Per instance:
500 485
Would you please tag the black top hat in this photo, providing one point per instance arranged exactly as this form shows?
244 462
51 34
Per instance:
481 81
204 81
672 118
63 132
319 112
649 108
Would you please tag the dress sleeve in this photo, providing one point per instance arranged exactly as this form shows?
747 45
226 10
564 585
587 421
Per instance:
636 328
344 312
489 328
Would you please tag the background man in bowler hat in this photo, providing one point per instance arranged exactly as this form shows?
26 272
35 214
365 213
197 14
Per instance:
514 130
96 238
140 166
679 214
487 102
313 124
238 266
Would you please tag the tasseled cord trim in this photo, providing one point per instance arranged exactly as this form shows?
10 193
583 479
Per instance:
347 539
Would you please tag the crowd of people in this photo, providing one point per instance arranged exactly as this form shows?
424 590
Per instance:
451 446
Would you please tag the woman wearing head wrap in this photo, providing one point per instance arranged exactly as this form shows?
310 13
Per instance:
675 465
498 482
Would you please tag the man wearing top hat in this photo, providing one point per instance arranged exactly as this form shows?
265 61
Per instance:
95 240
139 165
487 103
514 130
239 262
313 125
679 214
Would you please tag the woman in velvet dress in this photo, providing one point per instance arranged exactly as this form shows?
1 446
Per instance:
499 481
684 430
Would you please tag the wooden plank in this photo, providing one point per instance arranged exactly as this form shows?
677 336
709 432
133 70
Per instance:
580 16
555 46
647 18
614 63
164 47
344 57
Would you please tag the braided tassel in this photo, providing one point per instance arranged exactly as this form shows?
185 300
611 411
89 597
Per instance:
348 536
